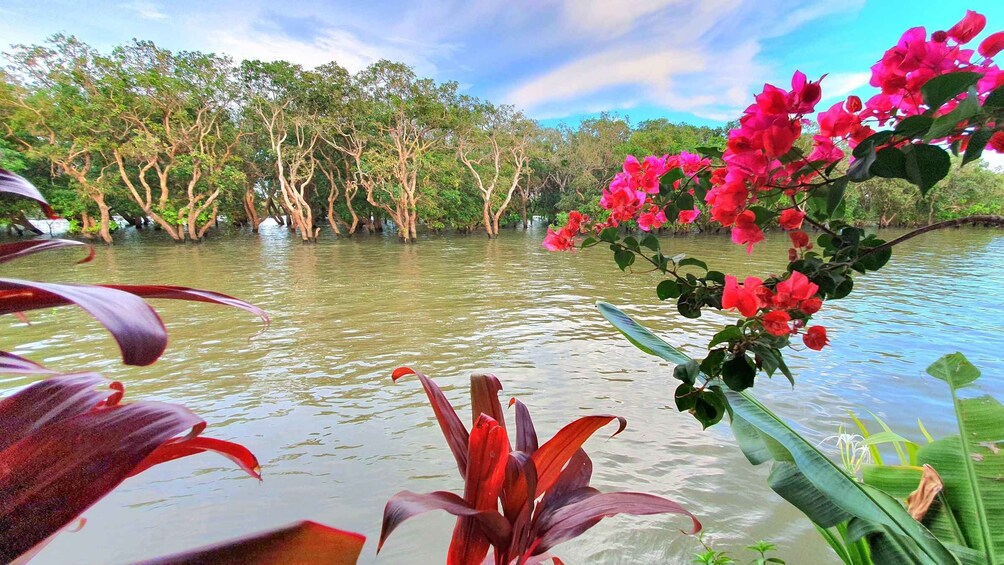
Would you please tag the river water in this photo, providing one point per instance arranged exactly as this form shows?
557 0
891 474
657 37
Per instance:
312 394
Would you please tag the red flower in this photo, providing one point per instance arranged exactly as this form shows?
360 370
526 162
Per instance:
799 239
793 290
992 45
745 298
815 338
997 142
746 232
969 27
688 216
776 323
791 218
811 305
557 240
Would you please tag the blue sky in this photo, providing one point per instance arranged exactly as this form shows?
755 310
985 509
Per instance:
559 60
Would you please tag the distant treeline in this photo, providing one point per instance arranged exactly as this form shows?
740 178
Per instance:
189 142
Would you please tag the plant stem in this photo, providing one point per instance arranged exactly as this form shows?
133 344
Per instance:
987 219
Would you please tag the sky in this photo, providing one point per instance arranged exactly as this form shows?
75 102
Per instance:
689 61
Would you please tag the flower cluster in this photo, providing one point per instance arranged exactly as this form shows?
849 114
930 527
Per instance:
564 238
632 193
782 311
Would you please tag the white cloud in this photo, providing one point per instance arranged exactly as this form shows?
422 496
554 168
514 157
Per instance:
838 85
610 18
145 9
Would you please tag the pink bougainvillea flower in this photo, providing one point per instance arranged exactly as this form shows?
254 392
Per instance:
804 94
793 290
776 323
992 45
969 27
997 142
815 338
745 298
799 239
654 218
688 216
557 240
811 305
791 218
746 231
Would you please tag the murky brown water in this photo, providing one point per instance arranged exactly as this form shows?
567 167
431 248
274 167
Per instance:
312 395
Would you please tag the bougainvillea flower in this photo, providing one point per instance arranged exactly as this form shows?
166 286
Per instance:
68 441
969 27
791 218
746 231
519 500
811 305
815 338
793 290
997 142
654 218
799 239
744 298
776 322
992 45
688 216
557 240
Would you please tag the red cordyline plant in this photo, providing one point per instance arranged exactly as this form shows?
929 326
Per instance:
937 96
69 440
520 501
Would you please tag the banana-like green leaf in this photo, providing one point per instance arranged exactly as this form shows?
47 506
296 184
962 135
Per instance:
971 464
816 486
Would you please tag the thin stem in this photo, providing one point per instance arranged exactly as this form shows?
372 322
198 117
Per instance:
988 219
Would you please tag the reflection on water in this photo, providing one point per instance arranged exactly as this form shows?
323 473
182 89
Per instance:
312 395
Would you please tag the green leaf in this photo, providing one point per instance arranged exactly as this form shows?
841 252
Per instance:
947 123
685 201
943 88
639 336
895 480
632 244
926 165
860 169
651 242
624 258
687 372
730 333
691 261
977 143
874 140
685 396
711 407
738 373
890 163
668 289
914 126
713 152
836 195
955 370
609 235
995 99
589 242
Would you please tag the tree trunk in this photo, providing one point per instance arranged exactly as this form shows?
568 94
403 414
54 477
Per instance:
104 230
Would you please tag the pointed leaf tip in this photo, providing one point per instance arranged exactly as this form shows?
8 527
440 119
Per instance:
400 372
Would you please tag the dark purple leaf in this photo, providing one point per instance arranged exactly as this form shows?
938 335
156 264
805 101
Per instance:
562 523
526 435
189 294
16 250
10 363
45 402
551 457
405 505
488 452
131 321
303 543
574 476
485 398
453 429
19 186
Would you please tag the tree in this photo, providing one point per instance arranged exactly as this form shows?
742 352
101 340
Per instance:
494 145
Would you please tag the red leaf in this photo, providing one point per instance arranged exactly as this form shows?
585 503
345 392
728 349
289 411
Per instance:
552 456
66 444
453 429
17 250
574 476
190 294
566 521
17 185
131 321
485 398
405 505
185 446
303 543
49 401
526 435
488 453
51 476
10 363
